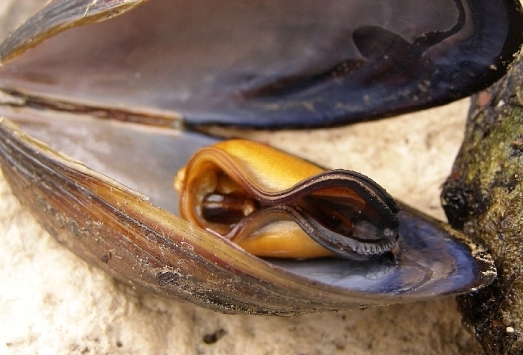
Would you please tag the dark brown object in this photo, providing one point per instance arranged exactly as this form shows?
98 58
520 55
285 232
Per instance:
484 197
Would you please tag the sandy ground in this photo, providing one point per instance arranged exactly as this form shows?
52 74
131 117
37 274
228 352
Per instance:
54 303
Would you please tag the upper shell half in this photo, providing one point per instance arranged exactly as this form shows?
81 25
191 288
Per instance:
168 67
262 63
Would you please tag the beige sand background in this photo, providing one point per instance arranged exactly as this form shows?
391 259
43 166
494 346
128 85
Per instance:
54 303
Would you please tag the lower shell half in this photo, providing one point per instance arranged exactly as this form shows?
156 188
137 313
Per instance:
113 205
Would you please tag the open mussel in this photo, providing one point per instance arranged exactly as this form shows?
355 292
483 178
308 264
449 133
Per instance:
283 64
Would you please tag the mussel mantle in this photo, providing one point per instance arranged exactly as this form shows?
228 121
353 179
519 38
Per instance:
256 64
276 205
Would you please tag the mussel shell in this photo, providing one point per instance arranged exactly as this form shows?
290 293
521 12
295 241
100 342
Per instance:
136 236
129 236
264 64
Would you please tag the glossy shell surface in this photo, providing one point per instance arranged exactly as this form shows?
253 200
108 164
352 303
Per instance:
120 218
264 64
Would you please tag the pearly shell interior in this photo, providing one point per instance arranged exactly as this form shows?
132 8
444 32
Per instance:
289 63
